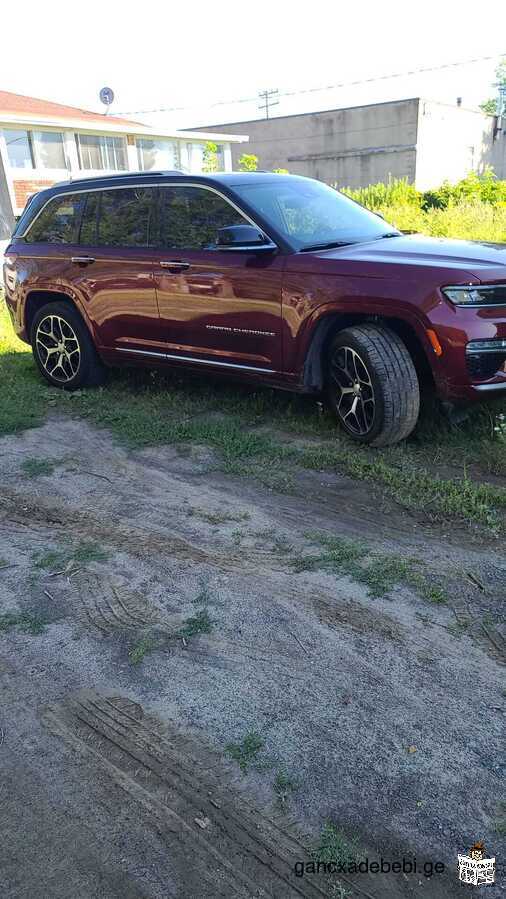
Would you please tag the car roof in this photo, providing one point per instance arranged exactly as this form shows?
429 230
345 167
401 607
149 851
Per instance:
228 179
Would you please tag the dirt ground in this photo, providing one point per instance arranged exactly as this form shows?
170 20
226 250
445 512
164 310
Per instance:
386 713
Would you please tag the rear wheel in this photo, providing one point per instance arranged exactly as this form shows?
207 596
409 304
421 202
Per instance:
63 349
372 385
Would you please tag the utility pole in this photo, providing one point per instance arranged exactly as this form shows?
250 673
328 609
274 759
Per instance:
266 97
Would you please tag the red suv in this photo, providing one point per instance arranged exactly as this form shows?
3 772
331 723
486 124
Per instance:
277 279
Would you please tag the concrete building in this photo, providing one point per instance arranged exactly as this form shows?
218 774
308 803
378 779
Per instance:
43 142
421 140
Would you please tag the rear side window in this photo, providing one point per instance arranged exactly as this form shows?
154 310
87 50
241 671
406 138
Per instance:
58 221
192 217
124 218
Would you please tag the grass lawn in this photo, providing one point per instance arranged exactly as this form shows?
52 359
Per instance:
454 471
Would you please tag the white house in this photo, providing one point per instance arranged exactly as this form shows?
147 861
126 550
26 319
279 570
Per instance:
43 142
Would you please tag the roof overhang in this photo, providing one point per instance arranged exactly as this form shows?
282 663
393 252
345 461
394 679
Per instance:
110 126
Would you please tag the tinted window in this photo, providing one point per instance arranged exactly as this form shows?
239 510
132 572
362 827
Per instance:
192 217
310 213
58 221
89 221
125 218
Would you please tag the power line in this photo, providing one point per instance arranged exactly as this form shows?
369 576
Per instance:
266 97
310 90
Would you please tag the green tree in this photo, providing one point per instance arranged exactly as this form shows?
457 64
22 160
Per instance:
210 157
489 107
281 171
248 162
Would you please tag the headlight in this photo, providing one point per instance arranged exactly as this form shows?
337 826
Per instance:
477 295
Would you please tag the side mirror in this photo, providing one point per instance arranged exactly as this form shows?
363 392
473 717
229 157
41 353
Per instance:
243 237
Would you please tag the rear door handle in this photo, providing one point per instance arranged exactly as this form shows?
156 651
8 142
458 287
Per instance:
175 265
82 260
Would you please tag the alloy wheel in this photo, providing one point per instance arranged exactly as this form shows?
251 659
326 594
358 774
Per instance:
356 405
58 348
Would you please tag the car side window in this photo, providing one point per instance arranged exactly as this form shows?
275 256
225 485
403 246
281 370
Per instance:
124 218
89 220
58 221
192 216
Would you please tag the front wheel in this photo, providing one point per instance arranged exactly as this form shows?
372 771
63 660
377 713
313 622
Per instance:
372 385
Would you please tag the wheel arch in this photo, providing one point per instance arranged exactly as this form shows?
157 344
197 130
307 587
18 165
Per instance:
313 373
36 299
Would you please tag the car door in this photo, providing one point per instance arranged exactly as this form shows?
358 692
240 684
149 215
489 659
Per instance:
216 306
112 269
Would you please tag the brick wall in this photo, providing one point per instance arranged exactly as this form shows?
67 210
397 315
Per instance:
24 189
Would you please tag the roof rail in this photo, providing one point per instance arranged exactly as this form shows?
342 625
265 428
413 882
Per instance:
136 175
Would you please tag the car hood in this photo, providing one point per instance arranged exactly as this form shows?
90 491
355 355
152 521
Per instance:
467 258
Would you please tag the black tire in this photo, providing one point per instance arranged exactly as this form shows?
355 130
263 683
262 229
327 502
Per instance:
77 364
369 370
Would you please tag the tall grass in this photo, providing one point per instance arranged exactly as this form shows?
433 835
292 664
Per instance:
472 209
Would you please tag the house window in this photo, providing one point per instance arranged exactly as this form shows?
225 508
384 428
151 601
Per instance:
158 155
197 157
100 151
49 149
19 149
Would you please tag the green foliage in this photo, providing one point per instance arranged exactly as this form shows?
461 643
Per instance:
198 624
489 107
27 624
281 171
248 162
472 209
33 468
397 191
210 158
335 846
141 649
245 752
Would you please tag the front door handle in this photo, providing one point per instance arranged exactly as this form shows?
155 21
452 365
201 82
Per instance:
175 265
82 260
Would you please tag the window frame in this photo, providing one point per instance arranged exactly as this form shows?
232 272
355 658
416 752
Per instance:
278 240
29 137
36 149
103 151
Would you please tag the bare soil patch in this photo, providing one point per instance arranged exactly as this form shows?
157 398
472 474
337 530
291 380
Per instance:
383 709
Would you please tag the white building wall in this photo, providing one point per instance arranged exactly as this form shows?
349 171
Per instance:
452 141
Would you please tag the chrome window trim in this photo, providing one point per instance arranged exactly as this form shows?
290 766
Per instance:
92 190
266 371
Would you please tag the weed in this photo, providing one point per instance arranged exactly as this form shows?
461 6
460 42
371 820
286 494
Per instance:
58 559
283 786
379 572
26 623
198 624
245 753
141 649
335 846
33 468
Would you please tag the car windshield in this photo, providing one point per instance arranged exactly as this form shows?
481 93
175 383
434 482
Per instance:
312 215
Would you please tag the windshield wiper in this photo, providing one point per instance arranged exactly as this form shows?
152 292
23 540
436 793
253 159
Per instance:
389 234
328 246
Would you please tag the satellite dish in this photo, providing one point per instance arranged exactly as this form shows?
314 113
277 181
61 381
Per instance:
106 96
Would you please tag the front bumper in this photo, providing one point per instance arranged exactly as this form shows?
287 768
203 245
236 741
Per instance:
472 364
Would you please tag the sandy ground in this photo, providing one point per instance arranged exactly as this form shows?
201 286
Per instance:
115 781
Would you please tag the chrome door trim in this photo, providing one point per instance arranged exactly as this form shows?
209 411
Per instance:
264 371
